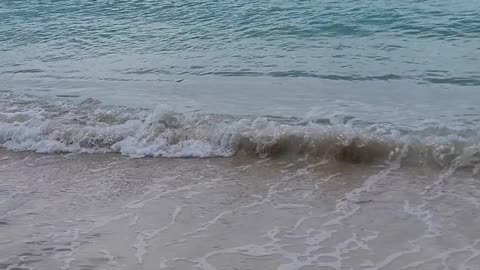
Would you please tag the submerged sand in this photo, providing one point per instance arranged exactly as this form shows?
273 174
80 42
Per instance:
106 211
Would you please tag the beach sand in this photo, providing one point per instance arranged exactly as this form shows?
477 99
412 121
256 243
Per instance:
89 211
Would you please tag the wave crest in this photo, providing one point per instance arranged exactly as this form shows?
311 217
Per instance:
56 127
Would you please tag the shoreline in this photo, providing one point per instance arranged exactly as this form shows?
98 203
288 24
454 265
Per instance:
107 211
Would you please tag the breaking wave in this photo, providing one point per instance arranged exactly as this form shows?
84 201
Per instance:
58 126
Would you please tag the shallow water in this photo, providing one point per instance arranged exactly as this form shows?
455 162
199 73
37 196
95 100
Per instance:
81 211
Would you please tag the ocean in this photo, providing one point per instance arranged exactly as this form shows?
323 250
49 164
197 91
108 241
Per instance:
221 135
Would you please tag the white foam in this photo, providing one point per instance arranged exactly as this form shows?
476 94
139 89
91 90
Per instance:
51 126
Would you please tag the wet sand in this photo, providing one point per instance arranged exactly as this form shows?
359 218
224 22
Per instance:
81 211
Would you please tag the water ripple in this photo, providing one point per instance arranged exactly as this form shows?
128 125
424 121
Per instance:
347 40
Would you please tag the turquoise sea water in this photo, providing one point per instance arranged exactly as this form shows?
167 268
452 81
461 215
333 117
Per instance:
428 42
397 68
